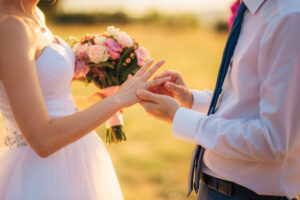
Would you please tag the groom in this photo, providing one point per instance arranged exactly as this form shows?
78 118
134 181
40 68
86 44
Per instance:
248 146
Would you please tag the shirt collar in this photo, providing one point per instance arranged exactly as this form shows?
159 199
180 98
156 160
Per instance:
253 5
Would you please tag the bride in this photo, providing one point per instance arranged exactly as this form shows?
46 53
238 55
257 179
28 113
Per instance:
52 151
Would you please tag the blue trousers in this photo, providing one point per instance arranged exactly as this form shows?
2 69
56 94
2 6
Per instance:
205 193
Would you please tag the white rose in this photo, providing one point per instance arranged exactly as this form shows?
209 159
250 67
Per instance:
98 53
76 47
100 40
124 39
112 31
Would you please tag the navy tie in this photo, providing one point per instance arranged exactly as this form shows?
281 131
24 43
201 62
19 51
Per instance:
197 158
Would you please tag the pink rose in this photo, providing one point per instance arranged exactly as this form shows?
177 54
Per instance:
114 48
98 53
82 50
124 39
142 55
81 69
234 9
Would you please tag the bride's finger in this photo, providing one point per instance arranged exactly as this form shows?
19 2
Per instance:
157 82
165 73
144 68
152 71
130 76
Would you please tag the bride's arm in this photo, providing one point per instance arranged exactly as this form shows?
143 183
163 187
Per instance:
83 102
19 76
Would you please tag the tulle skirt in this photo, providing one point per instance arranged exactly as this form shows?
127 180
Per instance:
80 171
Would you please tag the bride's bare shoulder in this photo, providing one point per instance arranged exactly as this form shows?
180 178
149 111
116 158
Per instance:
13 27
13 33
12 22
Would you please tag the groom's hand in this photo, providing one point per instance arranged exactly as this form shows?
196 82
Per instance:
159 106
175 88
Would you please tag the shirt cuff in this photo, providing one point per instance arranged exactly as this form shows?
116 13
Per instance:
202 100
185 124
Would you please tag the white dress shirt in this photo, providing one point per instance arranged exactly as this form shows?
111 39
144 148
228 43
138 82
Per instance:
253 139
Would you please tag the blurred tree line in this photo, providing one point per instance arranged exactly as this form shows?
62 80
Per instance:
51 8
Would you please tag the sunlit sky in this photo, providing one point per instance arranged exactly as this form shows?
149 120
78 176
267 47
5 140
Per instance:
141 6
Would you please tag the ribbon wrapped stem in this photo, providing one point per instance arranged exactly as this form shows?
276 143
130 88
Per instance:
115 132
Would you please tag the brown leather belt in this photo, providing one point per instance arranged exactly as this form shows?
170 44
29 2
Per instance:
234 190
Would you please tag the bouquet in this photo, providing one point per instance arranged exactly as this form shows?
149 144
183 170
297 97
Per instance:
107 59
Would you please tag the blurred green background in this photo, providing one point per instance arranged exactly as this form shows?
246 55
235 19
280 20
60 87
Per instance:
152 164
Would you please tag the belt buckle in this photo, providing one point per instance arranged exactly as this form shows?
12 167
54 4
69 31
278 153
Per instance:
226 188
221 186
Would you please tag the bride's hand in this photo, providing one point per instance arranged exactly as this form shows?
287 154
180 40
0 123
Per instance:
127 92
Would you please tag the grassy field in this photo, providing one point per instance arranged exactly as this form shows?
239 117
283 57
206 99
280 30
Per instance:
152 164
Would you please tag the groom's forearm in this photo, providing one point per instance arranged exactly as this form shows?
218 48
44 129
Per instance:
239 139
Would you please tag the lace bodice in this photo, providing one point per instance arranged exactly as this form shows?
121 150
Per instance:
55 68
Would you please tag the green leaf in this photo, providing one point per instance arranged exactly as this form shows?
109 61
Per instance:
89 78
130 69
124 56
102 64
91 64
133 62
71 40
110 82
106 64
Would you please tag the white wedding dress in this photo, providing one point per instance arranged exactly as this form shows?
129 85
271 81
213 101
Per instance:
80 171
